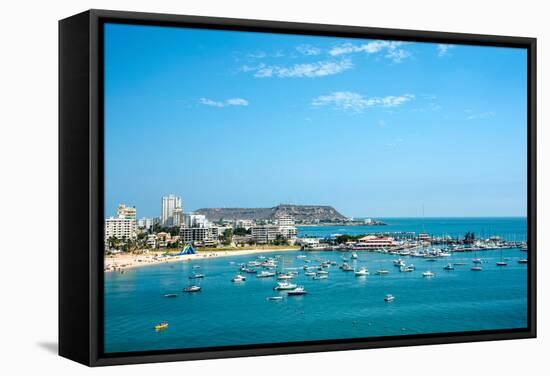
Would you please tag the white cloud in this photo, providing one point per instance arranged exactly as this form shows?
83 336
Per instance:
347 100
481 115
443 49
308 50
317 69
393 49
228 102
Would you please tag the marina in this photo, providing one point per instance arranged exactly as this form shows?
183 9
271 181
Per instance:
347 306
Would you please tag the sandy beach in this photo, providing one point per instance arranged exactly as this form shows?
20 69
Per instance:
121 262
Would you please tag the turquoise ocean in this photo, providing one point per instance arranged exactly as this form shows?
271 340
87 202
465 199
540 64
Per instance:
342 306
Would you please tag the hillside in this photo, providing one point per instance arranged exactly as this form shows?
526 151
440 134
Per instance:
300 213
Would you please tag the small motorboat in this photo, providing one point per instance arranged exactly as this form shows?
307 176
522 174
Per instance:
285 286
502 263
523 261
192 288
196 276
297 291
382 272
449 266
274 298
354 256
310 274
389 298
428 274
238 278
476 268
361 272
161 326
459 263
170 295
477 261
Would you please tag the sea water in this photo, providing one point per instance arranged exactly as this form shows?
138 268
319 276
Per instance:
342 306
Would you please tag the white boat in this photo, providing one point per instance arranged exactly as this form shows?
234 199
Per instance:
502 263
449 266
445 254
346 267
321 276
382 272
265 274
285 286
297 291
274 298
238 278
361 272
283 277
322 272
476 268
477 261
354 256
406 269
523 261
428 274
310 274
192 288
389 298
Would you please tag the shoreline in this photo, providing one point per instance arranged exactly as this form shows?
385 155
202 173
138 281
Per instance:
121 262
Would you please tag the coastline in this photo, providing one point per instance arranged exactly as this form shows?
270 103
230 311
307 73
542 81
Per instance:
121 262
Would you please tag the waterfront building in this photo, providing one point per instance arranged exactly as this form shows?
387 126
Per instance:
152 240
308 242
265 234
120 228
374 242
287 228
168 205
194 234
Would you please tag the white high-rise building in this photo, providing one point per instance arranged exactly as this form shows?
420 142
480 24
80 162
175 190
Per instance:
195 220
168 205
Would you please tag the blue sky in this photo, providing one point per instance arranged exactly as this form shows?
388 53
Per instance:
373 128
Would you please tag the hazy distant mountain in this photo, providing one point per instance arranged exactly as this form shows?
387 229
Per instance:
303 213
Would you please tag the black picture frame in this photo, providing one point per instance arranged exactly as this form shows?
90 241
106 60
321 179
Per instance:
81 185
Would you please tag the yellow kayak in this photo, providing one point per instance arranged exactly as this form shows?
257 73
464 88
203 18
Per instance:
162 325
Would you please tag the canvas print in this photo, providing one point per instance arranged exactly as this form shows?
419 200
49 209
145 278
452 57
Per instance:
265 188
